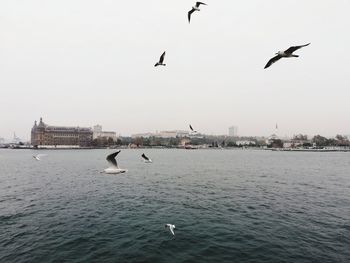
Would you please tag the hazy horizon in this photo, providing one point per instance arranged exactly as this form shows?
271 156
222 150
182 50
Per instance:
81 63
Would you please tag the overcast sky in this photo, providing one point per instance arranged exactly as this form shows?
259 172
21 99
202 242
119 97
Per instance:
86 62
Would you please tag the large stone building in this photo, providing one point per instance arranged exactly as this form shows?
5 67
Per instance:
46 135
98 133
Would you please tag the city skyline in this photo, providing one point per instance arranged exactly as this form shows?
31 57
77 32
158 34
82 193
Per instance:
77 63
232 131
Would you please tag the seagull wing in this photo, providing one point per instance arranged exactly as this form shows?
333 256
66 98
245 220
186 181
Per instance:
272 60
145 157
172 230
294 48
191 127
111 159
161 59
200 3
189 14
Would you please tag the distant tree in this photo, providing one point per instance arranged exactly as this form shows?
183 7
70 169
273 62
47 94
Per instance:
307 144
138 141
231 144
174 142
146 142
341 140
340 137
320 140
276 144
300 137
110 141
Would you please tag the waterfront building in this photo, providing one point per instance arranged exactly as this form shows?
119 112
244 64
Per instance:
245 143
163 134
173 134
143 135
271 139
43 135
99 133
233 131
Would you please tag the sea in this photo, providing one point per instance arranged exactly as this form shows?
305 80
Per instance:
226 205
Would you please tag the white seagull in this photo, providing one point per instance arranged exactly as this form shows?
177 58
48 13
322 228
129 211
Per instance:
194 8
146 159
192 129
113 169
171 228
161 59
37 157
285 54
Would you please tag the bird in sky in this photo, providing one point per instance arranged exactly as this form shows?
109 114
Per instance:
194 8
161 59
191 128
285 54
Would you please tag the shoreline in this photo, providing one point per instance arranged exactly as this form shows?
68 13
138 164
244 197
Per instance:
183 148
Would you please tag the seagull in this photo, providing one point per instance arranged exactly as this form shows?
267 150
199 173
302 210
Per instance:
192 129
146 159
161 59
194 8
171 228
285 54
37 157
113 169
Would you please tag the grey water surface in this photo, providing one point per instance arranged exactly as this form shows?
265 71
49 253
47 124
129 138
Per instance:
227 205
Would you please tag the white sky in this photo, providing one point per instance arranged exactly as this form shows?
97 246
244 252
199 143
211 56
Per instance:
83 62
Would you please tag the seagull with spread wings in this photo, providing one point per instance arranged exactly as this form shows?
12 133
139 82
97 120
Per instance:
161 59
146 159
191 128
194 8
171 228
113 169
285 54
38 156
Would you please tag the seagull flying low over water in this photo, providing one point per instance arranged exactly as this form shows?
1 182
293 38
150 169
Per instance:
146 159
171 228
113 169
192 129
285 54
37 157
194 8
161 59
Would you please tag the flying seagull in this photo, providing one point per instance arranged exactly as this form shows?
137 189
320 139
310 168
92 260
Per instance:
161 59
113 169
171 228
192 129
285 54
194 8
37 157
146 159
